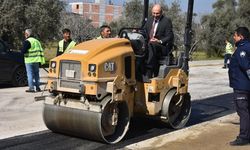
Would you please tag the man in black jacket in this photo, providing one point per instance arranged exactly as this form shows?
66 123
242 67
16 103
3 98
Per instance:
160 39
239 77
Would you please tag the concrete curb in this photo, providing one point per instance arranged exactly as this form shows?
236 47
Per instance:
192 131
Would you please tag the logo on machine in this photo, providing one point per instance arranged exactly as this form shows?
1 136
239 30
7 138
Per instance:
109 66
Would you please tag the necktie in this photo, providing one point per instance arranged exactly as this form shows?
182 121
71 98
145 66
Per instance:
151 34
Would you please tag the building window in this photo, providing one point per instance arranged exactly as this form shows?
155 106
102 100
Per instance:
77 6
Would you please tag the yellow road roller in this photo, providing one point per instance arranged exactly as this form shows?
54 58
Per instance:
97 87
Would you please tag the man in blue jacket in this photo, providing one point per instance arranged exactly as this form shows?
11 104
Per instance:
239 78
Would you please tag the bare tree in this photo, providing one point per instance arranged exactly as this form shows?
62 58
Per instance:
81 28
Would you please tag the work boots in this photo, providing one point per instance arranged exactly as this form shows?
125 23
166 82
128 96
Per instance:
239 142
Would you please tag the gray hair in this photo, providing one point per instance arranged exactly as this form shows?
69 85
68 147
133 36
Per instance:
28 32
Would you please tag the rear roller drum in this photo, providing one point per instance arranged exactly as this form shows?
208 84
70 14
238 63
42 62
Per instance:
176 109
109 126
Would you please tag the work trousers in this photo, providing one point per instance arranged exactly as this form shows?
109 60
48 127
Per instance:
242 104
32 70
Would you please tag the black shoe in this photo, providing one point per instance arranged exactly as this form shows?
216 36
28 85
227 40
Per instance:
38 90
239 142
224 67
30 91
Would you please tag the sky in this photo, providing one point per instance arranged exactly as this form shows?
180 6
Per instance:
201 7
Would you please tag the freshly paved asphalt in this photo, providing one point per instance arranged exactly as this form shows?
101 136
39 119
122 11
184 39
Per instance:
208 103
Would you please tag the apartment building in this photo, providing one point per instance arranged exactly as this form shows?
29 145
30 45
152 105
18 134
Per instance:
99 11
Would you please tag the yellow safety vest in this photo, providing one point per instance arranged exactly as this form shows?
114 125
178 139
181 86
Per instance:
71 44
229 48
99 37
35 52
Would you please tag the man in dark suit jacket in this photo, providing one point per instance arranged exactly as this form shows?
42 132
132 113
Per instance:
160 39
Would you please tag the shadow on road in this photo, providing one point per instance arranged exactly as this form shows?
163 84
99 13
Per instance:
140 129
6 85
211 108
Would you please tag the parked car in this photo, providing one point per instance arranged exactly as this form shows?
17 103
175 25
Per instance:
12 68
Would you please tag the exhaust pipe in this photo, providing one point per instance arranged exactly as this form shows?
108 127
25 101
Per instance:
188 35
145 13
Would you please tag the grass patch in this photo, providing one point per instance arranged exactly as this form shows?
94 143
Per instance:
199 55
50 51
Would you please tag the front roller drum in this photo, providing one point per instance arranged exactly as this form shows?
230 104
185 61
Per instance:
176 109
110 125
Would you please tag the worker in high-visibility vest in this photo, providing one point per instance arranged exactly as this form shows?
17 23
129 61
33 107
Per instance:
66 43
229 50
33 56
105 32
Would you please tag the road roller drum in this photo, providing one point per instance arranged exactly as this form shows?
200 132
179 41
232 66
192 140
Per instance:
105 124
176 108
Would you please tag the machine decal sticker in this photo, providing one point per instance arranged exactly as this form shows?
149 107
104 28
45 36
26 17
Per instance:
77 51
70 73
109 66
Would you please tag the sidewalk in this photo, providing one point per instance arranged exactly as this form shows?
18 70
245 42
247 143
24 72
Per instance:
210 135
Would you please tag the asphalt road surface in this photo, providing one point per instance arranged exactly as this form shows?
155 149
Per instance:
21 125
